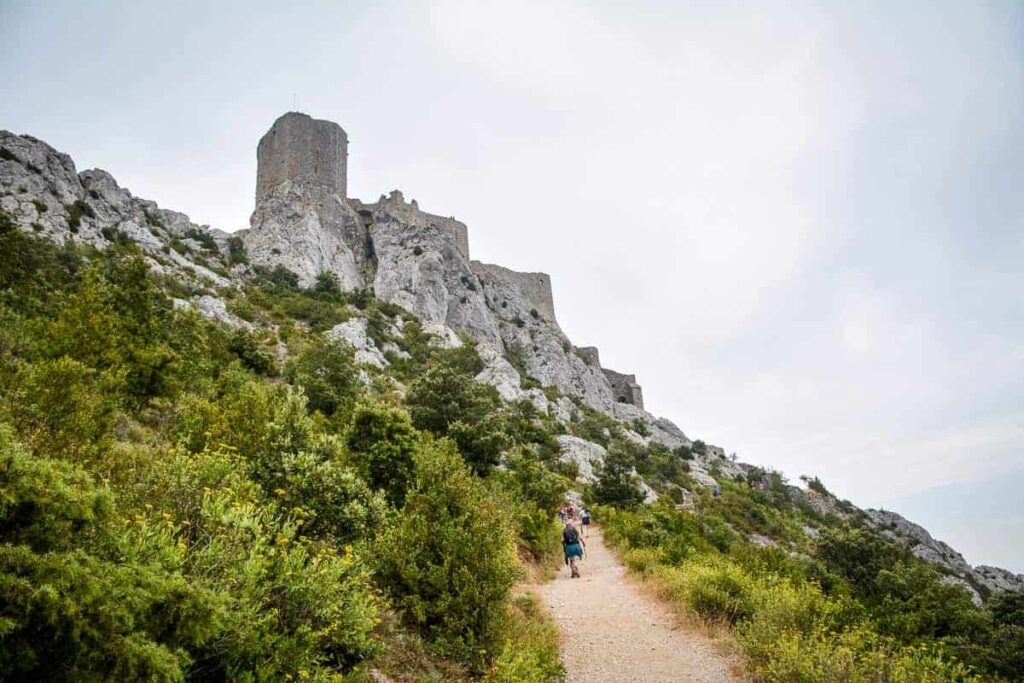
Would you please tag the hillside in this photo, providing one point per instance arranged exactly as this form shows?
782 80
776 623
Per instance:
325 446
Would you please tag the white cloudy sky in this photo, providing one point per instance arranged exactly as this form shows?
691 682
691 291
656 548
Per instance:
800 224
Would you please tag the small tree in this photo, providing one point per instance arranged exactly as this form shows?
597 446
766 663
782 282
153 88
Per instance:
616 484
327 283
327 372
449 559
385 442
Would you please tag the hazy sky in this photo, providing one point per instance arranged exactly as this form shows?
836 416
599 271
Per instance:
800 224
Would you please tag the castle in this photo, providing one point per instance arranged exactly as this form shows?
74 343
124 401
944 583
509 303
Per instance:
305 221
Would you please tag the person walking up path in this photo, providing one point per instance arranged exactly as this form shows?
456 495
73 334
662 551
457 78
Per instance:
613 633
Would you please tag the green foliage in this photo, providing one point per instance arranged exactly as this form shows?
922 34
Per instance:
60 408
616 484
327 283
385 443
220 545
448 559
327 372
76 210
236 251
533 495
246 346
72 607
450 403
530 653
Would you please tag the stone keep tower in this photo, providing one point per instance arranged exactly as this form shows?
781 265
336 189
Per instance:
306 151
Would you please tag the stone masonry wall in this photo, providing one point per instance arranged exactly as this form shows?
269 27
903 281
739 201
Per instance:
590 354
308 152
535 288
626 388
410 213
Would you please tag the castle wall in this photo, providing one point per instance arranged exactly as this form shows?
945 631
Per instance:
590 354
409 212
625 388
535 288
306 151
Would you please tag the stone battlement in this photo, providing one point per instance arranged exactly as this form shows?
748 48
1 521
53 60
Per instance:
409 212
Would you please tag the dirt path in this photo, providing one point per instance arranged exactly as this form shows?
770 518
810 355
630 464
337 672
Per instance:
612 633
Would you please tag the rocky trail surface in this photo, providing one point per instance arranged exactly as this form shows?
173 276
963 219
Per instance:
613 633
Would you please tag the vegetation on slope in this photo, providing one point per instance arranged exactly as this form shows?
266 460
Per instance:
184 501
811 596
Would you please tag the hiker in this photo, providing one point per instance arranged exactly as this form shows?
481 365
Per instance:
561 514
585 519
569 510
573 547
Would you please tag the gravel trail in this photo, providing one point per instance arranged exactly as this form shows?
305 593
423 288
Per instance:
613 633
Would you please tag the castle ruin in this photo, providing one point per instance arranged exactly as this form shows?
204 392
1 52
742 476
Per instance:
625 387
305 221
308 152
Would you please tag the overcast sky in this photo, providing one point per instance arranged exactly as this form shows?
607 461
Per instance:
800 224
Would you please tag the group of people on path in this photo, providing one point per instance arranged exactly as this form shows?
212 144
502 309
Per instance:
573 545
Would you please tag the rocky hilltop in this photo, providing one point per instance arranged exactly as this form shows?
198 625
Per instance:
304 224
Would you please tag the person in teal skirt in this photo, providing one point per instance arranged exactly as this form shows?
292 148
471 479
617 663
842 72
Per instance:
572 545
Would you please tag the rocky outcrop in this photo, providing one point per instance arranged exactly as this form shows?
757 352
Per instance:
421 266
354 333
308 233
547 354
583 453
42 191
922 545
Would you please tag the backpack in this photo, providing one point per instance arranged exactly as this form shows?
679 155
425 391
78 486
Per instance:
585 517
570 536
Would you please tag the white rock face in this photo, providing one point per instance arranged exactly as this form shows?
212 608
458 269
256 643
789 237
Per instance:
353 332
499 373
997 579
526 328
41 190
443 336
702 477
212 308
307 232
582 452
661 430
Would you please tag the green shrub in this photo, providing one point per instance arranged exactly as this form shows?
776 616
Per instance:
236 250
60 407
530 653
385 444
84 597
327 372
616 484
246 346
448 402
448 559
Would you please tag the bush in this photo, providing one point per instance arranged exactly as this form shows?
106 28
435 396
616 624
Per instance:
245 345
616 485
236 251
327 283
85 598
448 559
531 653
450 403
385 443
61 408
327 372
